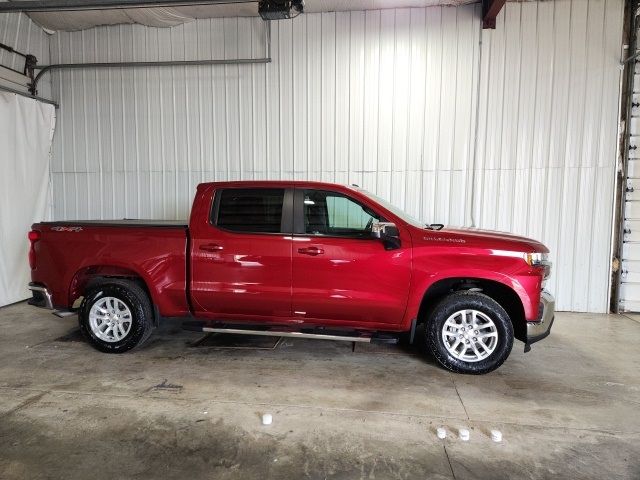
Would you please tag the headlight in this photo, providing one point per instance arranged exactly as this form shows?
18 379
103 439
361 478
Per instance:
536 258
539 260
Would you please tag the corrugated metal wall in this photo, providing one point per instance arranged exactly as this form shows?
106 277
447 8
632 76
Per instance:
19 32
547 137
385 99
343 100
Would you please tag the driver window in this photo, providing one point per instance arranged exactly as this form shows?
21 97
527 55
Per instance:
333 214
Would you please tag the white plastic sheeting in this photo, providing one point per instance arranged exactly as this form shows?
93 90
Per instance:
386 99
172 16
26 132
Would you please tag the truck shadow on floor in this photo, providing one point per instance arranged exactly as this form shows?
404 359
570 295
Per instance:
172 336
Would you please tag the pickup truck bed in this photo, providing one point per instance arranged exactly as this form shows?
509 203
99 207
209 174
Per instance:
127 222
74 253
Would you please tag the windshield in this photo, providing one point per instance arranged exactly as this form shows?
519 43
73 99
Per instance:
395 210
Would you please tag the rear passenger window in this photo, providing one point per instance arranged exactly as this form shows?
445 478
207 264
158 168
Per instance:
257 210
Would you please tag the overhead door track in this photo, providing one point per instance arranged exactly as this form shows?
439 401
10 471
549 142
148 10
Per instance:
42 69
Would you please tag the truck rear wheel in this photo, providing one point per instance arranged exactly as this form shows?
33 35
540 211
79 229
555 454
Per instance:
469 332
116 316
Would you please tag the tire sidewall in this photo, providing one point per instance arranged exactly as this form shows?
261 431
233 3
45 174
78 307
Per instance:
138 314
475 301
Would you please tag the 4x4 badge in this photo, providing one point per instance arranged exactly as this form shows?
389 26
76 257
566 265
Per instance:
66 229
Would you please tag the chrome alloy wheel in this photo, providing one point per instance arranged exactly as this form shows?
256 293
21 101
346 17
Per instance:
470 335
110 319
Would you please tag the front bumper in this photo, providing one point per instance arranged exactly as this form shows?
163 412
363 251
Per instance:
541 328
40 296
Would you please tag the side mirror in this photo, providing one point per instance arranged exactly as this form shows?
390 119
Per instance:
388 233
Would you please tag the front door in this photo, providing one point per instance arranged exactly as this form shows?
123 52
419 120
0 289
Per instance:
241 258
340 272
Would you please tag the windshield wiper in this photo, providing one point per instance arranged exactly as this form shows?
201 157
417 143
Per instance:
434 226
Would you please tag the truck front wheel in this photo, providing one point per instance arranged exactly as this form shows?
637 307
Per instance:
116 316
469 332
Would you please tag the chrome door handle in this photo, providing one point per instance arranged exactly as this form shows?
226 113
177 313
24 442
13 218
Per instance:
211 247
313 251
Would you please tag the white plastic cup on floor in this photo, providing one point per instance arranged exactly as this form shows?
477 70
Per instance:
442 433
267 419
463 433
496 435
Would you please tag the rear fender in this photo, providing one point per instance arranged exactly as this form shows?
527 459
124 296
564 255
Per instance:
85 277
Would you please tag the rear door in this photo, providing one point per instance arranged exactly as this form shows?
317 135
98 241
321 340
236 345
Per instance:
241 257
340 272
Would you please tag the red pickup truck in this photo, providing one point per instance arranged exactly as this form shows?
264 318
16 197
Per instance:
298 259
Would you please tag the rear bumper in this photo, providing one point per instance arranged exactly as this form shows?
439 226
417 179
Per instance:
541 328
40 296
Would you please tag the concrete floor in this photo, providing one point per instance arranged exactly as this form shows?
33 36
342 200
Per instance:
568 409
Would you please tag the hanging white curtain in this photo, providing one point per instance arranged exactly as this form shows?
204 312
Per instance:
26 131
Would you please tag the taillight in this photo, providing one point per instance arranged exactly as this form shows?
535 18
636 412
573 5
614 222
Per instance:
34 236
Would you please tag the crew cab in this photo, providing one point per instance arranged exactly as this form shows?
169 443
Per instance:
297 259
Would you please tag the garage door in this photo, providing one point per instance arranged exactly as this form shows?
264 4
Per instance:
630 278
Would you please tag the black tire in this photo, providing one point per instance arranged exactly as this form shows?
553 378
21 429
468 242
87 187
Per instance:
135 298
468 300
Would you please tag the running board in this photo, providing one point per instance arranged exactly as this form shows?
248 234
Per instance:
267 332
274 333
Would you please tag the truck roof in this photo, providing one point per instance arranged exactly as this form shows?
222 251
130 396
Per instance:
275 183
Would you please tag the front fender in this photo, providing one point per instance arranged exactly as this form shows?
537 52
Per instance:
509 271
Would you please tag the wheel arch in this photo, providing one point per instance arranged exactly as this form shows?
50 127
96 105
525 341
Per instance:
501 293
88 277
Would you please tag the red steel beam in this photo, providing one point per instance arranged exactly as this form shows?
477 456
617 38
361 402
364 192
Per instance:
490 10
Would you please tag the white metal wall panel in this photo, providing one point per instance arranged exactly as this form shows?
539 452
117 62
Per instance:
336 104
19 32
386 99
546 147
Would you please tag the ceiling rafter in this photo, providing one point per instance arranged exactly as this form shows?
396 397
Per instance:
490 10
